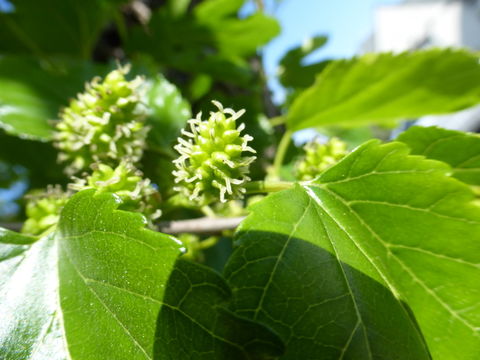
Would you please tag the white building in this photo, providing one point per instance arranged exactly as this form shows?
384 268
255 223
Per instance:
416 24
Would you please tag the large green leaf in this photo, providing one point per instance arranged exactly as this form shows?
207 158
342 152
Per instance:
458 149
94 286
344 266
379 88
54 26
32 93
103 287
30 326
195 324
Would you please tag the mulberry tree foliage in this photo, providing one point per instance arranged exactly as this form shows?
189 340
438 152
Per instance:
212 164
103 124
368 254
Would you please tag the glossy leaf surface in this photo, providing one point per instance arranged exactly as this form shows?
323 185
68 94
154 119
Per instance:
94 286
345 266
379 88
458 149
32 94
103 287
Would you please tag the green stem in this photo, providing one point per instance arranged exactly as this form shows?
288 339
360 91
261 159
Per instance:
277 120
207 243
208 211
256 187
280 155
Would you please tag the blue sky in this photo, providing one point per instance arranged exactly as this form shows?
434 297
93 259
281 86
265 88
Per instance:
347 23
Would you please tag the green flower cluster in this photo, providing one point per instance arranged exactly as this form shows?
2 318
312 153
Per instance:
101 135
319 157
103 124
211 166
127 182
43 209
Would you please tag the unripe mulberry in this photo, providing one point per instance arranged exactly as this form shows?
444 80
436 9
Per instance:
43 209
103 124
211 166
319 157
136 193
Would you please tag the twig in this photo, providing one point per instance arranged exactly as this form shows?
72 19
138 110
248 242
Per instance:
204 225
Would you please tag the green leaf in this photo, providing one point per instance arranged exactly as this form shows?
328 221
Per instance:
379 241
94 286
211 40
378 88
41 28
194 322
31 321
168 112
458 149
211 11
295 56
178 8
191 50
234 36
32 94
293 73
243 37
103 287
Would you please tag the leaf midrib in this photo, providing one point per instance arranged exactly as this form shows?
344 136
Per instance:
389 284
347 282
122 325
432 293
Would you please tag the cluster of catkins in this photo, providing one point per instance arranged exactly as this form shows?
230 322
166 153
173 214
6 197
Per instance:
319 157
100 137
211 165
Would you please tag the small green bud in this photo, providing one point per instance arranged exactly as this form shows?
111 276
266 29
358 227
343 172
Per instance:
103 124
136 193
43 209
319 157
195 246
211 166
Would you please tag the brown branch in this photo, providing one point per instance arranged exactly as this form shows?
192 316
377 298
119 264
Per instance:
204 225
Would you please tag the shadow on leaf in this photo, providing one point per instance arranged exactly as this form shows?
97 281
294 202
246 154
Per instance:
321 307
